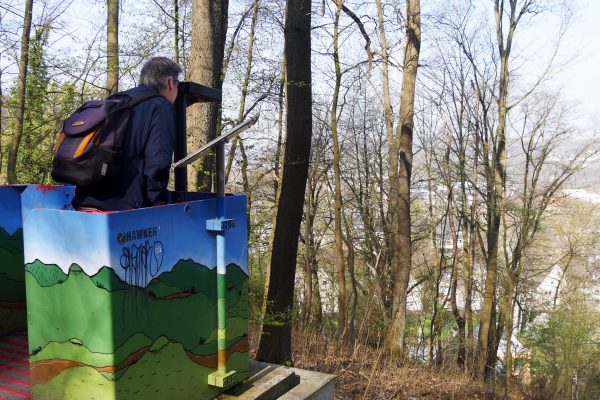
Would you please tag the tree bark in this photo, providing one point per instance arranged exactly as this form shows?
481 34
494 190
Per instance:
245 84
349 240
112 46
176 33
1 126
400 220
385 281
497 182
209 22
280 123
339 238
13 151
275 340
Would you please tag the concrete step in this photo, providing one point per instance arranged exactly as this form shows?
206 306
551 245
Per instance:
271 381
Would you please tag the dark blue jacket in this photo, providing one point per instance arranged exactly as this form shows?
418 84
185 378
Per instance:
147 152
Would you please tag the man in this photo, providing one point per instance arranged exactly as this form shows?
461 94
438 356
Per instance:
147 147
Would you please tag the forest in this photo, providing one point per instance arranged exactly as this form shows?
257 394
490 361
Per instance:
421 208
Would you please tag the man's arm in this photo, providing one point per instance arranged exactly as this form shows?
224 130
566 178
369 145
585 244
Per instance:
159 153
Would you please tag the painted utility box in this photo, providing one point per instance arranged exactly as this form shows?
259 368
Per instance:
123 305
13 316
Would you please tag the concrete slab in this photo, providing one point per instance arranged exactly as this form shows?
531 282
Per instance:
270 381
313 386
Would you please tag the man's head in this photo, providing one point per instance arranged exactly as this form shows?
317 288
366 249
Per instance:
163 75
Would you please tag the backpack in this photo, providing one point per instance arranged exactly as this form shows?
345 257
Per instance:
88 150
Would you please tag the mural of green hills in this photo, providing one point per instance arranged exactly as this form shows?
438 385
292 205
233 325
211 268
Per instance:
103 312
99 338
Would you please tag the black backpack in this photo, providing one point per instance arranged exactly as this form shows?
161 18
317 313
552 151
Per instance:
88 150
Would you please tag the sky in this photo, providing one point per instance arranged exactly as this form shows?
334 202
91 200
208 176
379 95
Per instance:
578 81
581 80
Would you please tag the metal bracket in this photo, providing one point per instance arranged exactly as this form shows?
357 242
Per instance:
219 224
225 380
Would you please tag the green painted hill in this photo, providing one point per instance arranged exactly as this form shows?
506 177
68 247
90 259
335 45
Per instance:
236 276
46 274
106 278
72 350
183 278
12 243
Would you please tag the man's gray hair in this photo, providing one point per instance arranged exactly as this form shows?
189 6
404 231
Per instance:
157 71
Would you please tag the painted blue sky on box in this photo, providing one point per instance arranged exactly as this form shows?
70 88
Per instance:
10 209
150 240
30 197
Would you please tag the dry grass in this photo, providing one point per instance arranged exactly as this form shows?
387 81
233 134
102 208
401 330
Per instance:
366 372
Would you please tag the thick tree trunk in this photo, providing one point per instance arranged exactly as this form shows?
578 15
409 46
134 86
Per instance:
112 46
209 22
13 151
400 222
275 340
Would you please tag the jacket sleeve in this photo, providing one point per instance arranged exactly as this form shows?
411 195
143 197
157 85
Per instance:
158 153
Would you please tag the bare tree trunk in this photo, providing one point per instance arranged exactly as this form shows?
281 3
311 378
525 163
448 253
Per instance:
13 151
400 222
242 107
469 244
308 255
339 238
353 284
384 278
317 307
112 46
209 21
498 182
176 26
508 328
1 126
275 341
280 123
